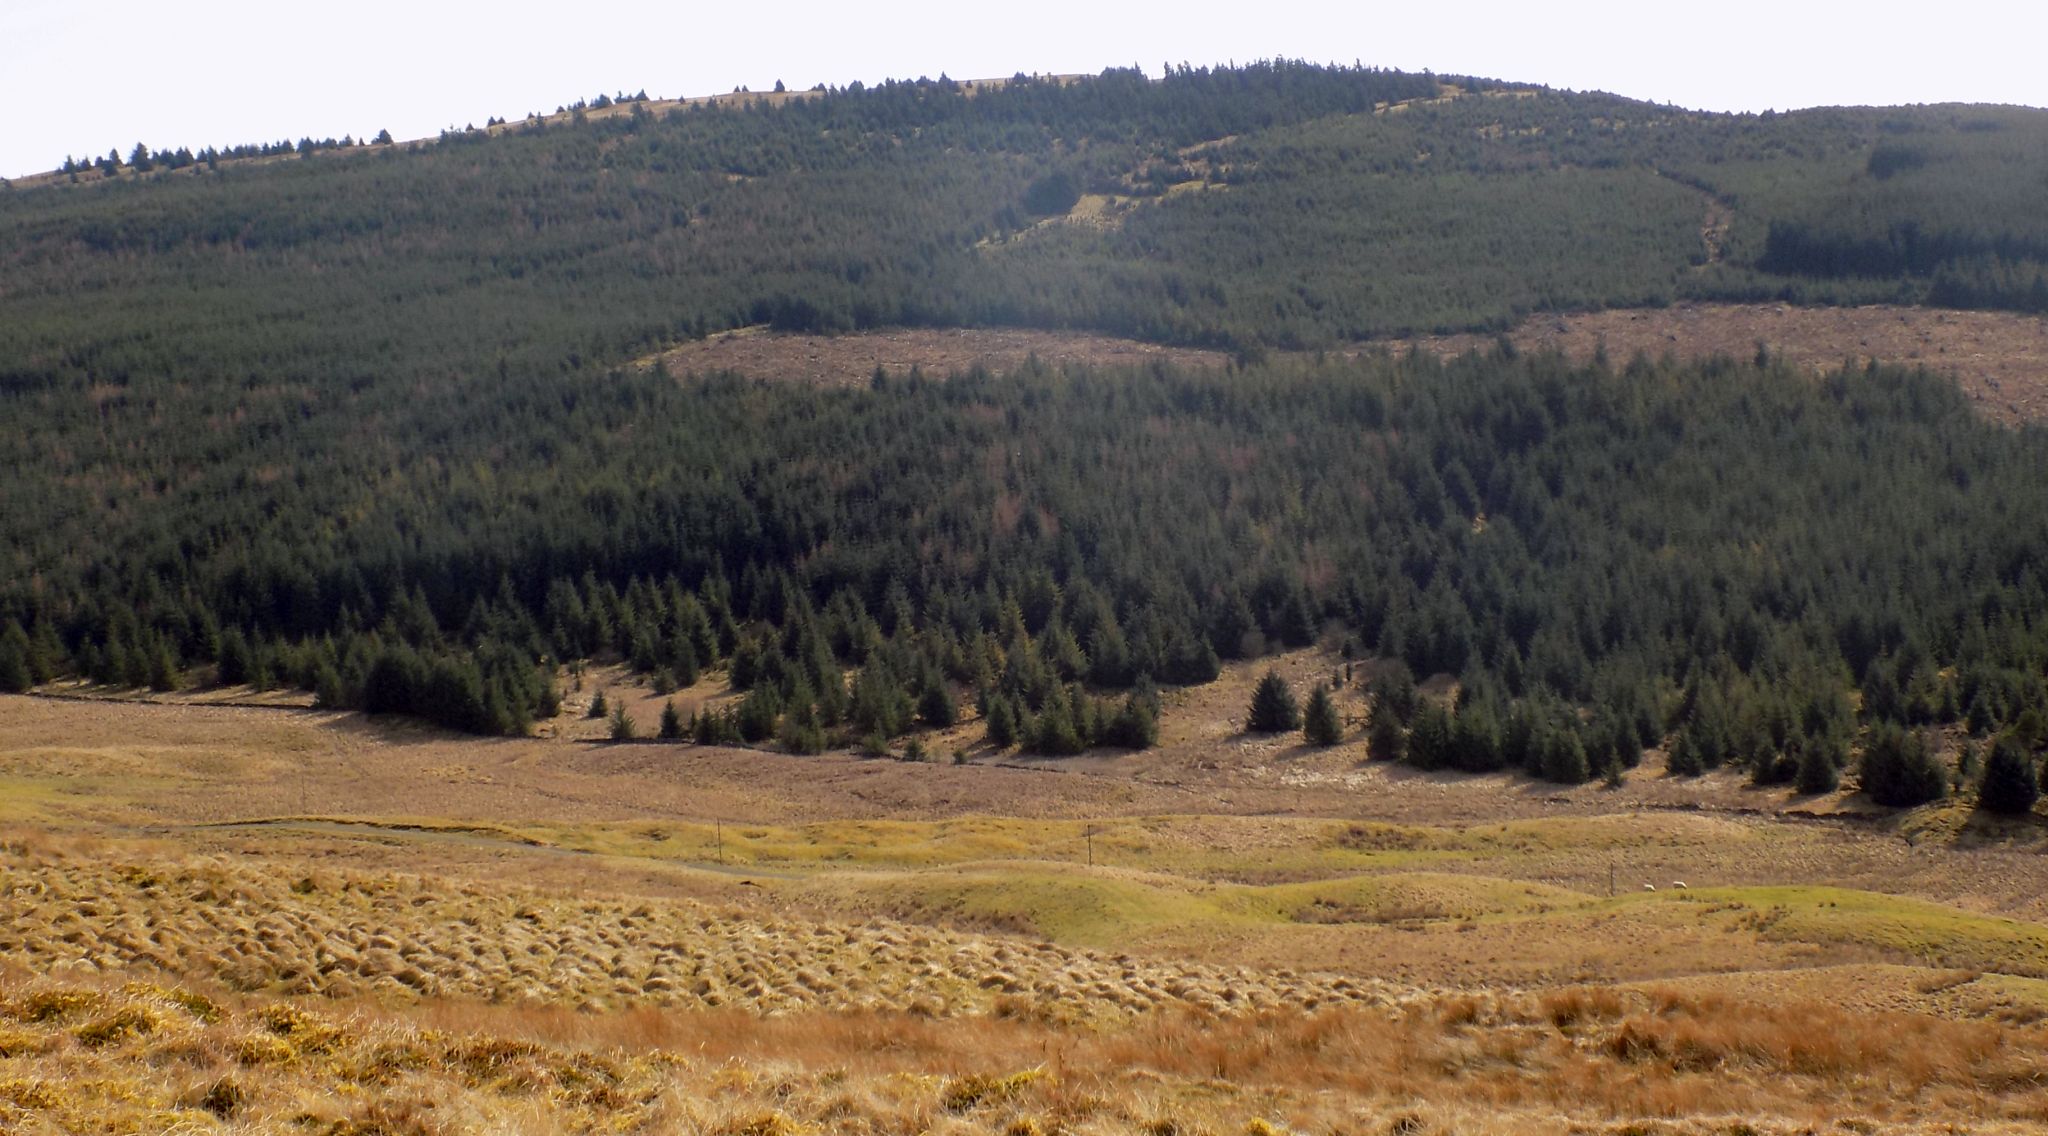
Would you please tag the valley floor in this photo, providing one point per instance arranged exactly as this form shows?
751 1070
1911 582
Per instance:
282 919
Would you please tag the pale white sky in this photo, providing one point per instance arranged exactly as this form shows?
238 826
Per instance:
84 76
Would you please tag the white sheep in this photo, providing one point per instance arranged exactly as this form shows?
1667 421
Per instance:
1679 885
1649 887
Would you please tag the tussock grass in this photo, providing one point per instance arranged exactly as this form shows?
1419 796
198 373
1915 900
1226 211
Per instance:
82 910
1587 1060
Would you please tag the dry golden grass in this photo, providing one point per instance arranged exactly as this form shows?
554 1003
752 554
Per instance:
851 360
93 1055
533 936
1998 358
288 928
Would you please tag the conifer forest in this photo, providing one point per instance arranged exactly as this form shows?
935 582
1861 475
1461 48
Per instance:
377 420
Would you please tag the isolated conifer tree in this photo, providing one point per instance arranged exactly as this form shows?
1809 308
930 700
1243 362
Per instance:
2009 786
1320 724
671 722
598 709
1273 708
622 725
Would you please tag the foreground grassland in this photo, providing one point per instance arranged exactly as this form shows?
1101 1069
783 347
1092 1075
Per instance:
284 920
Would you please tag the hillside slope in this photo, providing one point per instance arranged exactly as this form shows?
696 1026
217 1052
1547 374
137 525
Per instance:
365 422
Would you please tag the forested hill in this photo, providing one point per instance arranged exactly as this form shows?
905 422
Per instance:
361 420
1274 205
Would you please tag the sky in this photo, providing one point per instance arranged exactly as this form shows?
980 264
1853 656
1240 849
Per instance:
81 77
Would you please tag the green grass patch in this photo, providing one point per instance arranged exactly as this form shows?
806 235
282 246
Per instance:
1219 849
1929 933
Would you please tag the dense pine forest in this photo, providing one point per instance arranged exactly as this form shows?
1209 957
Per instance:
366 420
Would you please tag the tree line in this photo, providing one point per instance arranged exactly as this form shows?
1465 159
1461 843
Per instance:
1753 568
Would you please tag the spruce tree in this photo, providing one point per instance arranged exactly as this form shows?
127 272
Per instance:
1384 740
1564 756
1136 726
1394 691
1002 724
15 675
1683 759
1320 724
622 725
235 666
707 729
1273 709
1055 734
1898 769
2031 729
1818 772
2009 786
1429 743
328 691
671 722
1476 738
935 705
801 732
759 712
163 668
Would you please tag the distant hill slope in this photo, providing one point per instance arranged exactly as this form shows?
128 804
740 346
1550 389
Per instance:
368 422
1279 205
